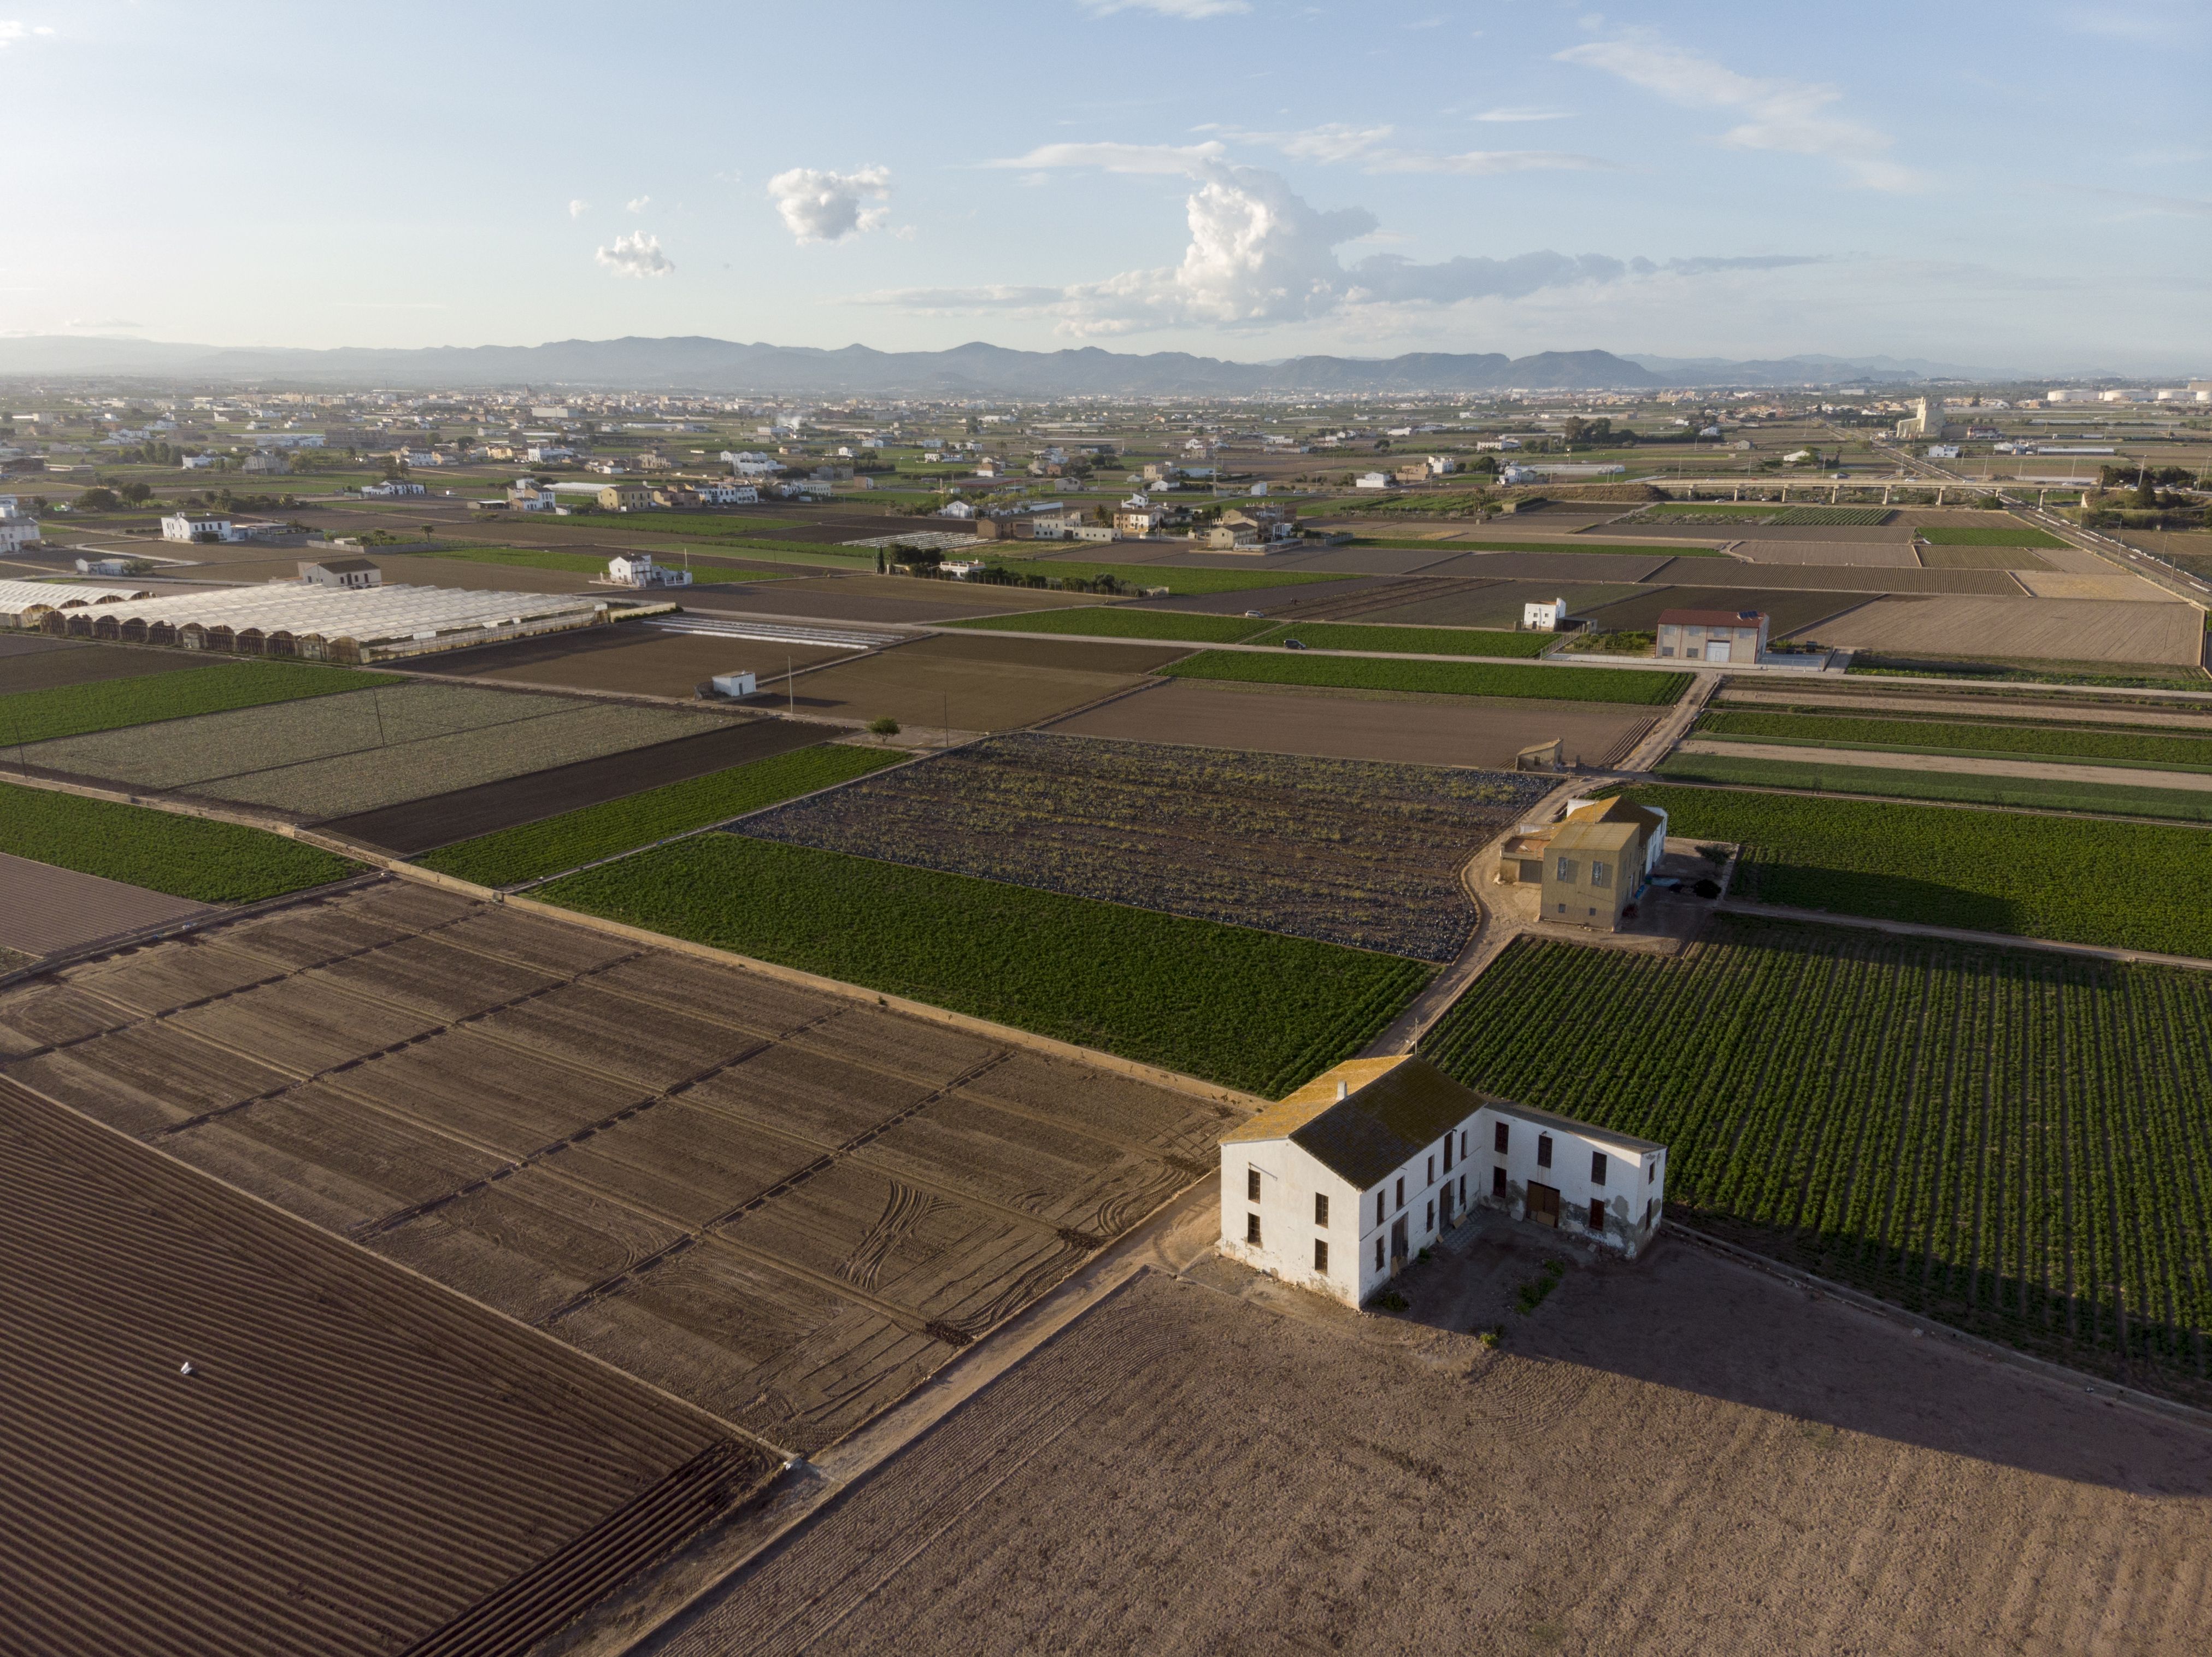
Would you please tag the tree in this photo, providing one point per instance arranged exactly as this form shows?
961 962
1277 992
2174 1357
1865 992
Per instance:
136 494
2147 493
99 500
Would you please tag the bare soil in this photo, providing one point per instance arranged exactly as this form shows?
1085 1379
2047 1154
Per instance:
1988 705
2058 629
1677 1455
976 681
1481 732
887 599
85 664
1889 555
783 1206
634 660
43 909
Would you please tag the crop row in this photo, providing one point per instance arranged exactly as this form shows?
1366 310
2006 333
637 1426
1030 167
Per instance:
2130 747
1349 851
1115 621
28 716
1992 535
2035 792
184 856
1637 686
2011 1141
1765 513
1246 1010
1409 641
534 850
2123 884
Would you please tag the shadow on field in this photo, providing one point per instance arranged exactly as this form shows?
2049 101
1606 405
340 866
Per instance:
1686 1319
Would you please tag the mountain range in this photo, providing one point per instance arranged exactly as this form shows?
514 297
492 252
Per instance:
699 363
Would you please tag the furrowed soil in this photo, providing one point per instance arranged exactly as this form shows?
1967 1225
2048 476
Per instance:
1192 1469
784 1206
1440 730
977 682
634 660
2058 629
83 664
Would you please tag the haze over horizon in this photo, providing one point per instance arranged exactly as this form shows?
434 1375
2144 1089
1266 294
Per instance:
1237 178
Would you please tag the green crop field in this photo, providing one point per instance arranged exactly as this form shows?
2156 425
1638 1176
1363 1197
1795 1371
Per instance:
1246 1009
581 564
1184 581
2067 879
2136 747
1994 535
1648 550
2184 804
218 687
1113 621
2010 1141
1630 684
1409 641
534 850
1767 512
184 856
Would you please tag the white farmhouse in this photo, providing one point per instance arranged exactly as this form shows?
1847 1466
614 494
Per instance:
1337 1186
188 524
1544 615
728 494
17 530
1372 480
638 569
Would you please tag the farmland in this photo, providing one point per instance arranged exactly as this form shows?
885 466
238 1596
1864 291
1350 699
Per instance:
40 664
588 564
1108 621
332 755
183 857
1365 855
1939 736
1973 1133
1249 1009
1385 639
2042 794
1626 685
2076 881
977 681
573 838
2092 632
1180 580
1563 545
29 717
1761 512
1987 535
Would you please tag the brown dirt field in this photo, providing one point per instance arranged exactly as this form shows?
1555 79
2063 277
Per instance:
888 599
359 1462
2106 583
786 1207
443 819
633 659
88 664
1483 604
1557 567
1789 611
43 909
977 682
1898 529
2095 711
2058 630
1481 732
1839 578
1885 555
1680 1455
1982 557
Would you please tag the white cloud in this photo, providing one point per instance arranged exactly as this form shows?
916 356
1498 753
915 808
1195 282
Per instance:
1370 147
10 32
103 324
1523 115
578 208
820 206
1119 157
1189 10
637 204
1260 255
1788 116
635 255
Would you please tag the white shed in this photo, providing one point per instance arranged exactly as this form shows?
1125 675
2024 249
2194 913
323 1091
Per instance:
1544 615
1336 1187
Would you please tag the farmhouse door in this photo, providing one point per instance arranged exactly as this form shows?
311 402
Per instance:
1398 1250
1543 1203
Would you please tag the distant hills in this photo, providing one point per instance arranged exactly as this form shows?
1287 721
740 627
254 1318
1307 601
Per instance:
699 364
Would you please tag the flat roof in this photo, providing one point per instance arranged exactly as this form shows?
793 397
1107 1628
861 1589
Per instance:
360 1462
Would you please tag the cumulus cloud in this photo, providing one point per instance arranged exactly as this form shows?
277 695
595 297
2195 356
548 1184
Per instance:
637 204
1186 10
10 32
1788 116
1260 255
578 208
820 206
1523 115
1118 157
636 255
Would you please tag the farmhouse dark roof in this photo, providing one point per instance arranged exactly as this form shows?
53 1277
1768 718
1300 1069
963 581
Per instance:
1710 618
1391 1109
343 566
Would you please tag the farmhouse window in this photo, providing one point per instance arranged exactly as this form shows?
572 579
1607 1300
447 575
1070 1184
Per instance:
1462 1144
1251 1227
1321 1255
1600 873
1651 1171
1650 1212
1321 1208
1562 908
1543 1150
1402 1191
1597 1168
1430 1224
1501 1136
1251 1185
1566 869
1447 1151
1378 1251
1498 1182
1430 1178
1597 1214
1463 1191
1382 1208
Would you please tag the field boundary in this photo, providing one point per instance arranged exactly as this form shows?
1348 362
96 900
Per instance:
1890 1311
1961 935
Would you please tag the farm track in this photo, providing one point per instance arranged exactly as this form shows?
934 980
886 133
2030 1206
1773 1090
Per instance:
1978 1135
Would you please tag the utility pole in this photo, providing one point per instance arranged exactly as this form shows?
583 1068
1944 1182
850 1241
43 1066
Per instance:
790 684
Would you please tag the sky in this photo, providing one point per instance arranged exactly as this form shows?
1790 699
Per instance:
2027 188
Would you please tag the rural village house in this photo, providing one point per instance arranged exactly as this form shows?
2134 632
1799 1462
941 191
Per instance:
1337 1186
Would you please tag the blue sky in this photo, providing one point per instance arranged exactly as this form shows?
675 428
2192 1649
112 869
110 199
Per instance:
2028 186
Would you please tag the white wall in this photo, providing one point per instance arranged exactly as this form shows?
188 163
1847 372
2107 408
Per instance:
1632 1181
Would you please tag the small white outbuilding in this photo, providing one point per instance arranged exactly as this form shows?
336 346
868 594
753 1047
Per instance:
1336 1187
